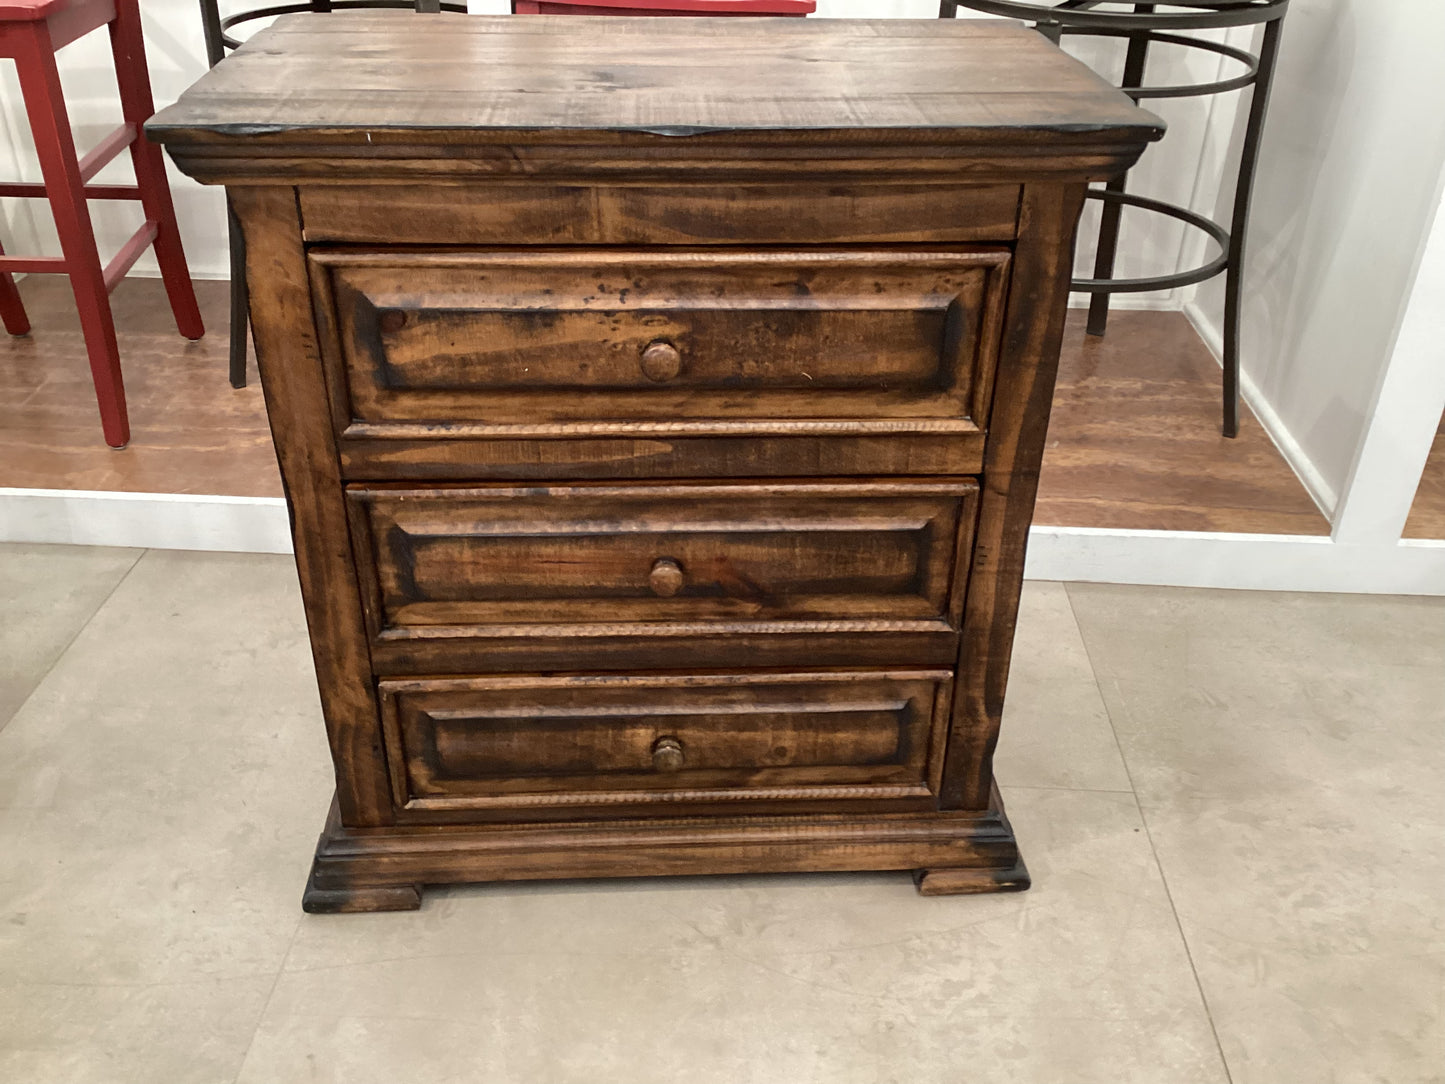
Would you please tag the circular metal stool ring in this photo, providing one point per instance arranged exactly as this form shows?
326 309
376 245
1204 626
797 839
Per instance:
302 7
1159 282
1185 90
1201 14
1143 23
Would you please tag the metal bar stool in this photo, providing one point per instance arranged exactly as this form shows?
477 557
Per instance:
1142 24
218 41
31 31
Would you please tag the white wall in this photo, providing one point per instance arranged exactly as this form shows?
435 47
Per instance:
1377 500
1349 175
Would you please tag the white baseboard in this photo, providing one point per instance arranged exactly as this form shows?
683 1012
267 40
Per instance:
174 521
1325 496
1167 558
1250 562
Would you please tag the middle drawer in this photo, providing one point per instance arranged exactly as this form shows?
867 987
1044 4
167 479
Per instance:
525 577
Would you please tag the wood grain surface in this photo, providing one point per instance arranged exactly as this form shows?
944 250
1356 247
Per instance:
609 745
706 213
462 559
1027 365
367 870
296 404
577 335
488 77
806 449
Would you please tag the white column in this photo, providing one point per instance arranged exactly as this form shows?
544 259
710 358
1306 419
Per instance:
1408 407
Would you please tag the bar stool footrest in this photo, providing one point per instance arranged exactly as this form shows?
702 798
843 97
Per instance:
36 190
99 156
1159 282
129 252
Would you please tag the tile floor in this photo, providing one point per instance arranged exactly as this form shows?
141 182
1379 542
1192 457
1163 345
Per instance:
1233 806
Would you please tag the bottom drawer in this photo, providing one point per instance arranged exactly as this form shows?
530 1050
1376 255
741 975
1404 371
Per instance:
620 745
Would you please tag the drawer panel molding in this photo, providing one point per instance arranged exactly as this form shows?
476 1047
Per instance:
645 740
573 563
452 342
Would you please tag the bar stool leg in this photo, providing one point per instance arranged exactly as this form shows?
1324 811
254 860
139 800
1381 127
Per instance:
12 309
1134 64
137 106
45 106
1243 194
211 28
215 53
240 299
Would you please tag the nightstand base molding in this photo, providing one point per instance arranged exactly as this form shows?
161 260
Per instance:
384 869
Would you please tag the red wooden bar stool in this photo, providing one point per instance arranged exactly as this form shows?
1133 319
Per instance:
30 33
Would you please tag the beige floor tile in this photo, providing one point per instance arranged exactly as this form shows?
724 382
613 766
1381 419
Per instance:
187 1033
161 790
1055 731
1288 757
196 656
47 594
1332 1016
179 897
823 978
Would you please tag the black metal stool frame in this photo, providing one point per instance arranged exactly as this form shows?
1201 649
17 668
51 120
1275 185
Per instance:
217 42
1142 26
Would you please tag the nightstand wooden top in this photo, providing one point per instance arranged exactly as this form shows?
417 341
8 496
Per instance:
354 74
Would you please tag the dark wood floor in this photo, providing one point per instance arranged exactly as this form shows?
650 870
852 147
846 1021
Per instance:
1134 441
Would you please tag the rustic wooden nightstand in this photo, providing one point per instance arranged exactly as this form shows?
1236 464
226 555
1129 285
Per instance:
660 404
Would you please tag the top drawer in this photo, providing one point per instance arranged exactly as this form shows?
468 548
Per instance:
440 345
536 213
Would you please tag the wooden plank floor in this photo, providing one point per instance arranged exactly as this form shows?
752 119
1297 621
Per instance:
191 432
1427 515
1134 442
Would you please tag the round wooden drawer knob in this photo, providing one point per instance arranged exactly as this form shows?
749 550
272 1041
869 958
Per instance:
660 361
667 754
665 579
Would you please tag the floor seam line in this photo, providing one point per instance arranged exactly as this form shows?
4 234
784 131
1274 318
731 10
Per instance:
271 993
1153 847
59 655
1184 940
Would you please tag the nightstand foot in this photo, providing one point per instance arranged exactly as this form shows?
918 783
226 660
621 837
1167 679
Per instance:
966 882
335 887
357 898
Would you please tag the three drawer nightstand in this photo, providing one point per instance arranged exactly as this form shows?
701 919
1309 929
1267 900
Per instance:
660 406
